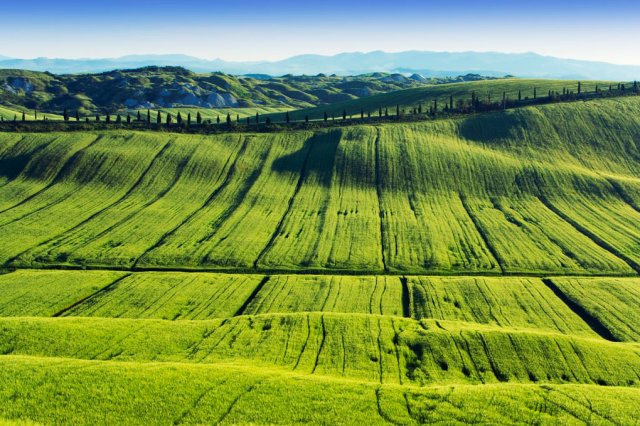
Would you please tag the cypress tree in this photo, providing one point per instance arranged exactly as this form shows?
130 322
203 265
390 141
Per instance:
635 85
549 93
66 115
397 110
229 120
473 99
420 109
258 118
519 95
386 112
435 106
36 112
179 118
380 112
369 114
128 119
579 88
148 117
535 93
450 102
169 119
248 121
86 119
118 119
97 118
362 113
268 121
189 119
326 117
238 118
15 117
199 118
108 119
139 117
288 117
159 119
306 118
344 114
24 117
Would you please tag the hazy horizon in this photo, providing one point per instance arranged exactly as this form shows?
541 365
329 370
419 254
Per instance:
259 32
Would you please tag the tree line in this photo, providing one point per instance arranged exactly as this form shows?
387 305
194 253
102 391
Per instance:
477 103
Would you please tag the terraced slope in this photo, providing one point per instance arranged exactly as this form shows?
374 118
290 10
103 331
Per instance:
478 195
202 348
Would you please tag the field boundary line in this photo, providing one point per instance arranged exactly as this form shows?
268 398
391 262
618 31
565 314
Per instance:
311 271
621 193
406 297
584 231
252 296
492 250
84 299
276 232
593 322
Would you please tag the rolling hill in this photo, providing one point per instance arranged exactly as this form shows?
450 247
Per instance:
174 87
481 269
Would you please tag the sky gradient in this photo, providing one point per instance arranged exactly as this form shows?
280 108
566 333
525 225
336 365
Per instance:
257 30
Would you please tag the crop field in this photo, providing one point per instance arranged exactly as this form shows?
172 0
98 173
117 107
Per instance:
208 348
9 114
213 114
481 270
451 196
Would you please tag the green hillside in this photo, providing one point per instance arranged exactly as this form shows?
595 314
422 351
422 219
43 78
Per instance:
176 87
411 98
476 270
476 195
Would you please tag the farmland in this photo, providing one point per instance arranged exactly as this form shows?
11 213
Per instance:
489 348
481 269
562 200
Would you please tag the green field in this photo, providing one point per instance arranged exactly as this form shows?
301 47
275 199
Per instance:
478 270
451 196
206 348
209 114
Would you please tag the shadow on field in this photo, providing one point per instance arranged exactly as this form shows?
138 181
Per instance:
321 160
497 129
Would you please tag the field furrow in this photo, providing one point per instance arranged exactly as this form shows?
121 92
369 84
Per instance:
612 302
334 222
32 172
104 175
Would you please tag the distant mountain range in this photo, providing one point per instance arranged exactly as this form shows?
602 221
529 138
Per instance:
428 64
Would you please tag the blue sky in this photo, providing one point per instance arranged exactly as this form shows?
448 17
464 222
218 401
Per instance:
263 30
